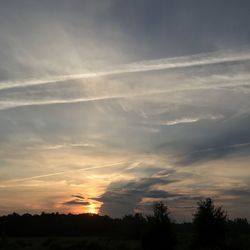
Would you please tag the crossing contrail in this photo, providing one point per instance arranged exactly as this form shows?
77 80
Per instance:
62 172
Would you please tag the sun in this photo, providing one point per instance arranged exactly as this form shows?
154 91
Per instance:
92 209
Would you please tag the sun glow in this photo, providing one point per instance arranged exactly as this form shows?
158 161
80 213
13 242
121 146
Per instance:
93 209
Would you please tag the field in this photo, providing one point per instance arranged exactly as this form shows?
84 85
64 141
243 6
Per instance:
241 242
68 243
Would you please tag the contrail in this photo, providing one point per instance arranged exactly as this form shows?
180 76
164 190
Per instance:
4 105
65 172
149 65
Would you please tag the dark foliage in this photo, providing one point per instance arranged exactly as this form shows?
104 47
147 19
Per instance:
209 225
133 226
160 234
210 230
57 225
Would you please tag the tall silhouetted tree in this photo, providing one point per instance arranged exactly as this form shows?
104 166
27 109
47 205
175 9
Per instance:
160 234
161 214
209 225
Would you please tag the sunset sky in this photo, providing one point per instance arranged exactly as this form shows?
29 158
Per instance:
107 106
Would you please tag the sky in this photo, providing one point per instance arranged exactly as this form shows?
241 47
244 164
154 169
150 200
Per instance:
109 106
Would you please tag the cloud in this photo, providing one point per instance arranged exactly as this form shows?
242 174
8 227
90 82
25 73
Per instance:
238 193
127 82
142 66
76 202
78 196
231 143
139 84
190 120
79 200
122 197
69 145
13 181
160 194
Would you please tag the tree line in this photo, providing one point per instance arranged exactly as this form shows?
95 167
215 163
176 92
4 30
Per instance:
210 228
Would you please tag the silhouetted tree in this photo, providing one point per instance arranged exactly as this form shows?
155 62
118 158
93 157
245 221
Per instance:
157 230
133 226
209 225
160 234
161 214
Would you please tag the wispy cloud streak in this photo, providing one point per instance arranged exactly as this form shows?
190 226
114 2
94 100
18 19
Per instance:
39 102
149 65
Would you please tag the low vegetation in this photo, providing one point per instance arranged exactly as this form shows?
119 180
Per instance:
210 229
